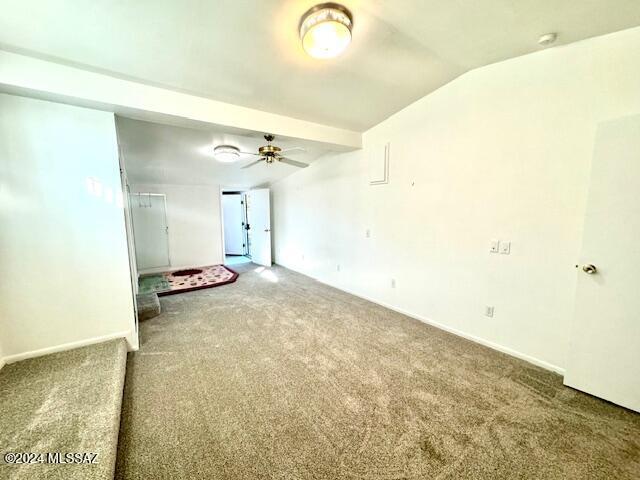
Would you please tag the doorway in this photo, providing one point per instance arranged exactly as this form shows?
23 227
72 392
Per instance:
246 222
237 246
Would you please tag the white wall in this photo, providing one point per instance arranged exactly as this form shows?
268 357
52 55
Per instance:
63 251
193 216
503 152
1 355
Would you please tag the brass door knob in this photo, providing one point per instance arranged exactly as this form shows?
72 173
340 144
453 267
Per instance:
590 269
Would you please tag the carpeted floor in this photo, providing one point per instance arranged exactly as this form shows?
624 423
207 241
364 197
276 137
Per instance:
280 377
67 402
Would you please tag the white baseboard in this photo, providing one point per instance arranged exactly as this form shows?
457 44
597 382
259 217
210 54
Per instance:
133 341
473 338
2 362
65 346
151 271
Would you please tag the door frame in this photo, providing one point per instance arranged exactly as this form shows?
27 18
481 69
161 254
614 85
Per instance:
227 191
133 339
223 193
247 227
251 227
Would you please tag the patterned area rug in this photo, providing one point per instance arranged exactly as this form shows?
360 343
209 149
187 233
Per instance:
168 283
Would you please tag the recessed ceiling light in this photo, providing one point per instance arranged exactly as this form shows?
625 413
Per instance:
547 39
226 153
325 30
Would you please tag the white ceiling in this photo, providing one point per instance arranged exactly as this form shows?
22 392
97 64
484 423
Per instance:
247 52
166 154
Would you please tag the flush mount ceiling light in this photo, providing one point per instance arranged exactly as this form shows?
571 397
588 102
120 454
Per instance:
325 30
226 153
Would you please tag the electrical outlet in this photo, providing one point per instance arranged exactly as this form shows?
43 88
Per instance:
495 246
338 267
505 248
393 283
488 311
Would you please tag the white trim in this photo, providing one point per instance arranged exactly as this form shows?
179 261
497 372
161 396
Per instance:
152 271
223 247
2 363
133 340
473 338
65 346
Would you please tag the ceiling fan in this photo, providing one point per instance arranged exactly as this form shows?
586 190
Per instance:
270 153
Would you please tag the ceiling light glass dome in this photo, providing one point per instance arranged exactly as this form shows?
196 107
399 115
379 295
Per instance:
325 30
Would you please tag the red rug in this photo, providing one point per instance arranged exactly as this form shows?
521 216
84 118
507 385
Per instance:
197 278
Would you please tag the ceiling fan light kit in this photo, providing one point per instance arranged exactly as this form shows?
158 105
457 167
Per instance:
271 153
325 30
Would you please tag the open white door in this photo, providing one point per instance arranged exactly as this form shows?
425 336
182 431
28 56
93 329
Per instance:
604 357
259 219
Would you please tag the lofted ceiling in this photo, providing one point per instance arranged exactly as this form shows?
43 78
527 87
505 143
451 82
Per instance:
248 53
166 154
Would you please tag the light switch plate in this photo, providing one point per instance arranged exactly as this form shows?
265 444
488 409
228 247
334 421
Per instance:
505 248
495 246
488 311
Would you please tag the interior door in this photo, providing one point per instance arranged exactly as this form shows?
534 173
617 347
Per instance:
150 230
259 219
604 357
233 224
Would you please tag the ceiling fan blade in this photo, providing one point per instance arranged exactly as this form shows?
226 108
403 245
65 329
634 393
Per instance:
294 149
249 153
295 163
254 163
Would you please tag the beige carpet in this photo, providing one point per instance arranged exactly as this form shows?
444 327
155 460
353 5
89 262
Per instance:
291 379
67 402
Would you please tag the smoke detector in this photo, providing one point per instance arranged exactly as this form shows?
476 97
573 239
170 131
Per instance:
226 153
547 39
